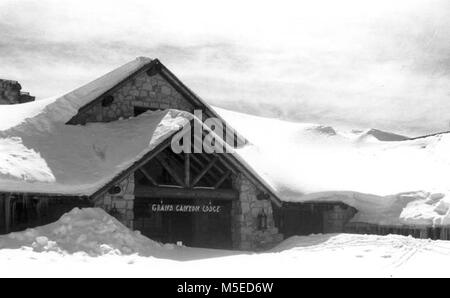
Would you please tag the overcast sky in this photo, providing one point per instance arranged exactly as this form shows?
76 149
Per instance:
355 64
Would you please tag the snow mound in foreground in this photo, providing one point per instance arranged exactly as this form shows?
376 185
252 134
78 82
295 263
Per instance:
89 230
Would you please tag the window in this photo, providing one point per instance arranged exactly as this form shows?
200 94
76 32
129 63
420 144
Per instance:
141 110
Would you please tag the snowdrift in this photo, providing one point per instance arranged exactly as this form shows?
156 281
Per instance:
40 154
78 160
388 182
343 255
91 231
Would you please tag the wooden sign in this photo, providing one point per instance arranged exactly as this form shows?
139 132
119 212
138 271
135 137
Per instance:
185 208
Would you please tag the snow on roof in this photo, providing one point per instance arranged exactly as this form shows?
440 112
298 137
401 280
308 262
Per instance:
61 109
78 160
403 182
40 154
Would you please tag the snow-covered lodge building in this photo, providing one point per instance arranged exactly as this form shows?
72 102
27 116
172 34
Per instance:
109 144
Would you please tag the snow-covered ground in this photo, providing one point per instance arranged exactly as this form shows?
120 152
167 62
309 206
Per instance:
90 243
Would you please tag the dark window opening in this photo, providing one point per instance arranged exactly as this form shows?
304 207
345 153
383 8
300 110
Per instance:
153 71
107 101
28 212
140 110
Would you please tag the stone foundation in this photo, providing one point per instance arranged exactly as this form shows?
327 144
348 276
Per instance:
120 205
246 234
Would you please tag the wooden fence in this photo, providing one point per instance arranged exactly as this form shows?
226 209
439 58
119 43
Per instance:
438 232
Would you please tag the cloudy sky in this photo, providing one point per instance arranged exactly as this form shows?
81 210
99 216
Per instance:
348 63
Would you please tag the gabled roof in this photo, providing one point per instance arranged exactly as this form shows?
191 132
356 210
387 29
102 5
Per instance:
41 154
147 64
233 158
61 109
78 160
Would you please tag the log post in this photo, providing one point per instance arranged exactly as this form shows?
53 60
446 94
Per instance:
171 171
7 213
443 234
187 170
204 171
423 233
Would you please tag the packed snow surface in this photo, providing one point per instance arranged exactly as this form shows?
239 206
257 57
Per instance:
388 182
90 243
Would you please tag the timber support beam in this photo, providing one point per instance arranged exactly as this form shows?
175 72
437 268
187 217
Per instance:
183 193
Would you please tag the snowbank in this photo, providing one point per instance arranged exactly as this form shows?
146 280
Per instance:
91 231
389 182
331 255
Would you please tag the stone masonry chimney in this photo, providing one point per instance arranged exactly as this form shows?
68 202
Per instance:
10 93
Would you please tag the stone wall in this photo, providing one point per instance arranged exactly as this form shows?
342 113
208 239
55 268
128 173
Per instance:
120 205
244 213
144 91
10 93
245 232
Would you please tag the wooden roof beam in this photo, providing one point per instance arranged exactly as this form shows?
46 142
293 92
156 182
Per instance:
184 193
171 171
204 171
222 180
148 176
